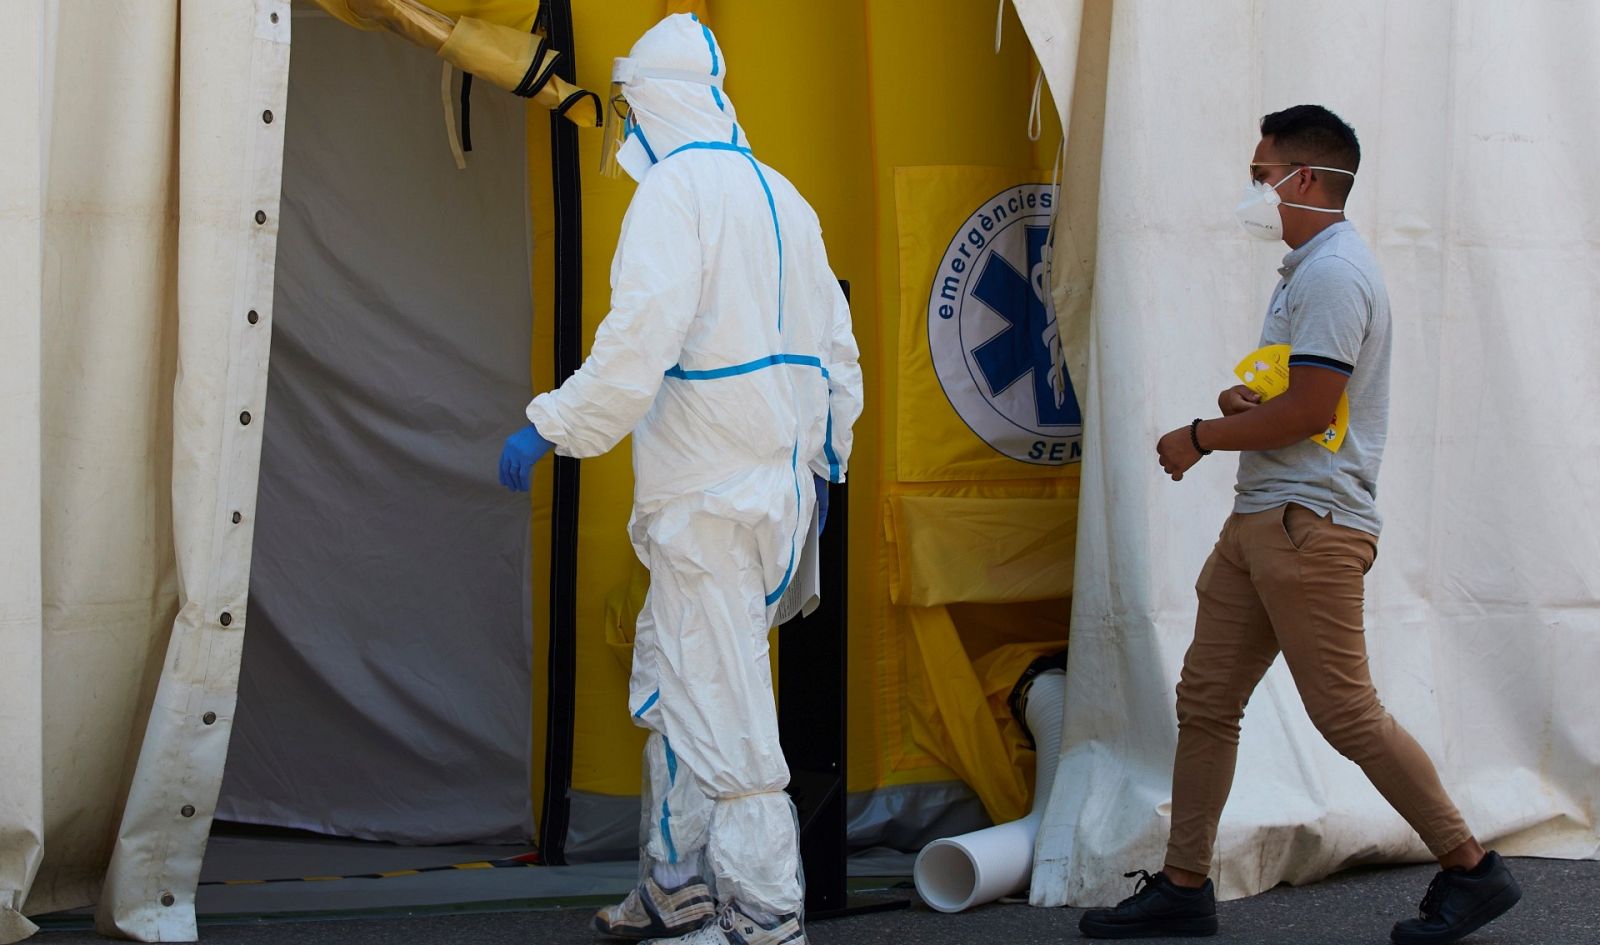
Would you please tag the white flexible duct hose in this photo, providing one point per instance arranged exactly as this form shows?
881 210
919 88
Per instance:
958 873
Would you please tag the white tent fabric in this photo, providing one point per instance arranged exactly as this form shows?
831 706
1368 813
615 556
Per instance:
1484 607
138 153
387 676
23 59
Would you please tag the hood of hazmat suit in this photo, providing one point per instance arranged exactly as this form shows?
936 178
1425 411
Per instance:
728 354
672 80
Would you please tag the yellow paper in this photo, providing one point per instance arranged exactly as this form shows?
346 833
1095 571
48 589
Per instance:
1266 371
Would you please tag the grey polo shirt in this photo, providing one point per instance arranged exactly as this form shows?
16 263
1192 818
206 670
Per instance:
1332 310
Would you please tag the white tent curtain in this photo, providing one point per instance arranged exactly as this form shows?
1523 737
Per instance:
138 152
22 60
1483 609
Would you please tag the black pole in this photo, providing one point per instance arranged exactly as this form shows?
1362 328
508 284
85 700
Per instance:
813 702
812 697
555 811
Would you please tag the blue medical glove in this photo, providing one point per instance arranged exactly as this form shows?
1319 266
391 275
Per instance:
523 449
822 502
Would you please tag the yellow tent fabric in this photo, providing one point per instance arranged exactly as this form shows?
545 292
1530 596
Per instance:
982 545
984 507
959 700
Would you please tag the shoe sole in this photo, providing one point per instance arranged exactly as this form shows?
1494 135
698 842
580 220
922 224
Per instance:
645 935
1488 912
1200 927
641 935
625 934
635 934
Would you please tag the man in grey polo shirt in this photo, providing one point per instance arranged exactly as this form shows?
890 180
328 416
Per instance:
1287 573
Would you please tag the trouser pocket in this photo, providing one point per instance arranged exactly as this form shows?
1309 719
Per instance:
1306 531
1300 524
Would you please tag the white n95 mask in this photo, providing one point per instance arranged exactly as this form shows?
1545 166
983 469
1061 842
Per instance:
1257 211
633 156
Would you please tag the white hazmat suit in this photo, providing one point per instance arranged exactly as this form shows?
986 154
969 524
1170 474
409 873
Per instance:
728 355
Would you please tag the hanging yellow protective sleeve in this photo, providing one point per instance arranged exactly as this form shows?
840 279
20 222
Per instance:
519 62
495 40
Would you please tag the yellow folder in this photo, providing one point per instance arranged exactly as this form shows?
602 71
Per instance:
1266 371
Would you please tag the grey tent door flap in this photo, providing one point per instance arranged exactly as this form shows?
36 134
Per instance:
386 686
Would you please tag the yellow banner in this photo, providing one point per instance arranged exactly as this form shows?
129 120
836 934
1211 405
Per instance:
984 391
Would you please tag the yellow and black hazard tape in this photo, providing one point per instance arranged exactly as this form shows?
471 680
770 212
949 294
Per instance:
510 862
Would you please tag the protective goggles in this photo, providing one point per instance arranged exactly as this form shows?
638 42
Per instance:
618 115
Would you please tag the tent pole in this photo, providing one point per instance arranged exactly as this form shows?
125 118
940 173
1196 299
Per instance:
813 697
555 812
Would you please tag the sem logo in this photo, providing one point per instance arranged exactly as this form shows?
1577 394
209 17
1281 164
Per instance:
993 334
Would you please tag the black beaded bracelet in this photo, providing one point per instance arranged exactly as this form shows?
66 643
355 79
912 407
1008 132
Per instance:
1194 437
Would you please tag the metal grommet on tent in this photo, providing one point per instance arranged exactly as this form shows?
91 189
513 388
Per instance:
168 899
253 317
227 618
237 518
187 810
261 216
274 17
244 418
209 718
266 116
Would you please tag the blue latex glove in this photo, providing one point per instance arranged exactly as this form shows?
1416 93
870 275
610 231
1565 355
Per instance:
523 449
822 502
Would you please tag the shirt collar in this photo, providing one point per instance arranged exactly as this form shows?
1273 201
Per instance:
1298 256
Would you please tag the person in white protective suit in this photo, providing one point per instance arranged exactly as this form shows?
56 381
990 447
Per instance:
728 355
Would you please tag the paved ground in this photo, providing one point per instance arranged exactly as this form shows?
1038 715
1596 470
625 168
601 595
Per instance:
1561 907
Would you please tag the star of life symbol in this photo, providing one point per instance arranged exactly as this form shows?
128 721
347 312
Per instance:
992 330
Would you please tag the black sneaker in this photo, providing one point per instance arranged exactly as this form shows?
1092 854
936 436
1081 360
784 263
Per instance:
1460 902
1158 908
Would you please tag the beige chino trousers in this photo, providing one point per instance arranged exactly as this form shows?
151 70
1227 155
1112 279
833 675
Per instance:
1290 581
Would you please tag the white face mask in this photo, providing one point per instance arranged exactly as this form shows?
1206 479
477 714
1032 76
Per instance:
634 156
1257 211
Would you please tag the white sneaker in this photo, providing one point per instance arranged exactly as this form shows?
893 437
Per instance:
653 912
733 927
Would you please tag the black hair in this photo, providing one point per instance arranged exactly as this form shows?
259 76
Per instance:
1313 134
